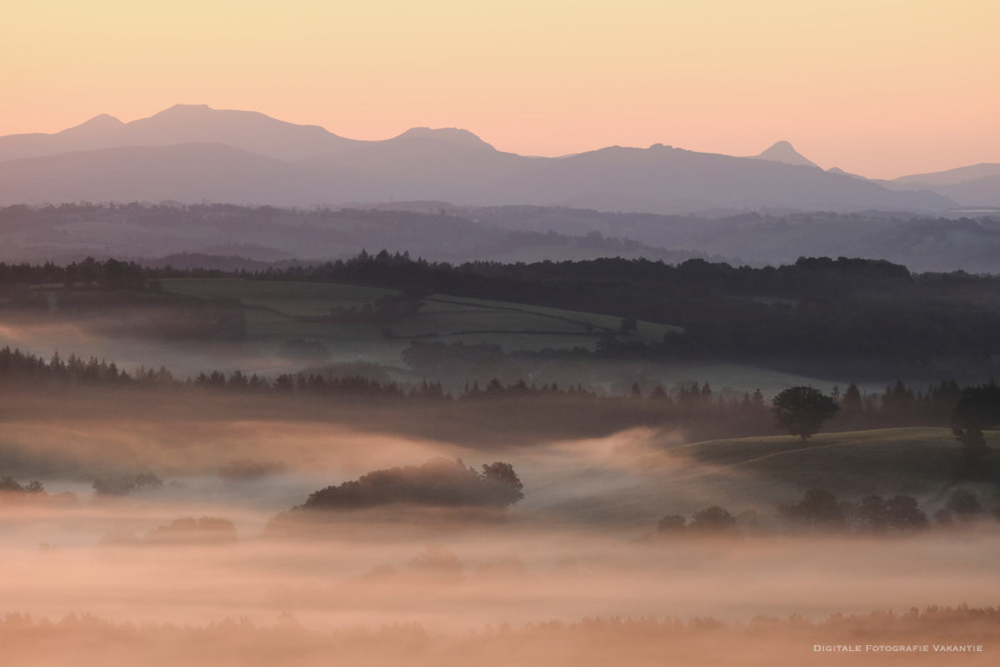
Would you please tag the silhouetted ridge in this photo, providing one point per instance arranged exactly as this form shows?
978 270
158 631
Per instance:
451 135
783 151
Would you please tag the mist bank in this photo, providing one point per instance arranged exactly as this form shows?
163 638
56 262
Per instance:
194 560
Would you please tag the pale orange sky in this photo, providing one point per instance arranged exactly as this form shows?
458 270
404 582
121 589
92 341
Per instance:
878 87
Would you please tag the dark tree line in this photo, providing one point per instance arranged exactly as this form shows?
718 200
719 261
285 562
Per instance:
110 274
10 485
969 410
14 492
128 484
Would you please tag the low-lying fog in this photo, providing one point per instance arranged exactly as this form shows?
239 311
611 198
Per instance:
192 527
105 559
582 543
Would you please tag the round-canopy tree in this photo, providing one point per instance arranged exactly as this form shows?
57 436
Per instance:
978 408
802 410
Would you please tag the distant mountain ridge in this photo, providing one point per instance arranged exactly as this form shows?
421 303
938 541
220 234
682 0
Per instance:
198 123
182 124
192 153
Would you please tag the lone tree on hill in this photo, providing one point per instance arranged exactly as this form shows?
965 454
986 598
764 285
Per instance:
802 410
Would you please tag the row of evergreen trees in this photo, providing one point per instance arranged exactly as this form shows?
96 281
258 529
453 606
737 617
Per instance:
898 404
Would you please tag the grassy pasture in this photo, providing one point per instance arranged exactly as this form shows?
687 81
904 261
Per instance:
274 305
762 473
898 460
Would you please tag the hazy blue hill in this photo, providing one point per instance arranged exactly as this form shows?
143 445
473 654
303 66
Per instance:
973 186
976 192
952 176
673 180
452 135
181 124
424 165
99 132
247 130
185 172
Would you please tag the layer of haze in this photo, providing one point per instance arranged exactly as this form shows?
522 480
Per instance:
880 88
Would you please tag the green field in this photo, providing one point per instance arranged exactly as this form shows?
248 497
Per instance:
899 460
294 298
273 306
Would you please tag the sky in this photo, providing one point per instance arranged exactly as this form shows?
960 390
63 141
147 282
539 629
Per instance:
881 88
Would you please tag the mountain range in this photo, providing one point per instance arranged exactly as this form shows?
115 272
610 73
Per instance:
192 153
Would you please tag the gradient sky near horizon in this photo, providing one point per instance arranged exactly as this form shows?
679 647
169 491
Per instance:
877 87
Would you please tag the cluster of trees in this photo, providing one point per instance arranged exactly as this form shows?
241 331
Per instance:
110 274
711 520
802 410
15 492
820 510
437 483
9 485
17 365
127 485
873 514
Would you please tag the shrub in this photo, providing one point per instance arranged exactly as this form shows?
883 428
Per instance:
437 483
